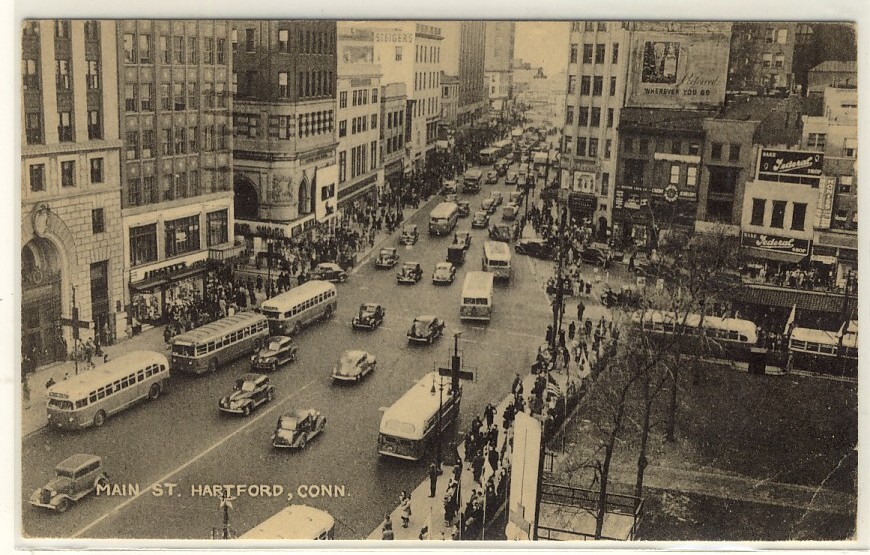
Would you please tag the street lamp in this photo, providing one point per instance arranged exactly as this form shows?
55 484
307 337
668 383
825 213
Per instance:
440 408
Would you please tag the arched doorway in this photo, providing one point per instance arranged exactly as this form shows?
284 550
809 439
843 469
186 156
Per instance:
41 335
246 200
304 198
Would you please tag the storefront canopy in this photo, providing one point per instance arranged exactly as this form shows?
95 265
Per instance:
777 256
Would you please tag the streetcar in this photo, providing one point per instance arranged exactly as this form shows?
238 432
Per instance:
823 351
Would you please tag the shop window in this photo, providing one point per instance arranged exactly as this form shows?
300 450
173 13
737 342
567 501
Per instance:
217 227
143 244
777 218
182 236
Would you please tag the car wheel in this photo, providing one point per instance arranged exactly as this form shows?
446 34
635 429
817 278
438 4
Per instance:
154 392
430 339
273 367
212 366
303 441
63 505
247 410
258 344
327 314
269 396
99 418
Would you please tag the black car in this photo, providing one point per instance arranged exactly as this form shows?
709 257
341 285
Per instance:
279 350
328 271
371 315
409 235
411 272
249 392
463 239
501 232
464 208
480 220
456 254
492 177
387 258
426 329
594 256
489 205
536 248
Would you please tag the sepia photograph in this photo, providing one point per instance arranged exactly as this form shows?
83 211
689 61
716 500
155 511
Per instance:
436 280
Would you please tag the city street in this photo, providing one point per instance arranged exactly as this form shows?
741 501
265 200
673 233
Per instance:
183 439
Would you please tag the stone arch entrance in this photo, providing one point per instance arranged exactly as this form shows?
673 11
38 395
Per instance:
42 339
246 203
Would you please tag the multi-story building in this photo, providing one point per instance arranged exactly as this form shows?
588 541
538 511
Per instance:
176 174
833 73
393 125
72 253
449 101
360 174
761 56
284 114
464 53
500 40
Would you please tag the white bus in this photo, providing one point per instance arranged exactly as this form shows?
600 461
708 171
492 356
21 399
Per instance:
443 218
497 259
823 351
292 310
296 522
733 338
476 303
488 156
409 427
89 398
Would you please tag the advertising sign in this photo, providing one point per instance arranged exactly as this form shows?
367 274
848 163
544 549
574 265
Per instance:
353 54
775 243
679 70
825 206
774 164
584 182
325 180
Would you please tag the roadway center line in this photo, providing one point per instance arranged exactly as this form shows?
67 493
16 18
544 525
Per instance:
171 473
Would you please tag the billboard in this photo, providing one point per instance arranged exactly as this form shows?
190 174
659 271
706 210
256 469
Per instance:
775 243
776 164
678 70
325 180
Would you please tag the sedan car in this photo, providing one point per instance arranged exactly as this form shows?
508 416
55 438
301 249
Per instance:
426 329
452 197
462 238
296 428
492 177
387 258
536 248
411 273
371 315
480 220
445 272
594 256
329 271
450 187
464 208
353 366
409 235
249 392
497 197
501 232
74 478
511 178
489 205
278 351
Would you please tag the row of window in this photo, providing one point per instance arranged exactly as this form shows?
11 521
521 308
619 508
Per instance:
178 185
33 127
588 116
425 107
121 384
395 119
67 174
427 80
394 143
427 54
588 147
229 339
181 236
591 85
359 124
777 214
595 53
63 79
307 41
174 96
310 303
727 335
175 141
675 146
360 97
589 26
138 49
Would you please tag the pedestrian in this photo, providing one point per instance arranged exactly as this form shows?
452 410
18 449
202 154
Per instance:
477 466
387 530
433 478
580 308
105 358
405 505
572 328
489 414
588 327
549 335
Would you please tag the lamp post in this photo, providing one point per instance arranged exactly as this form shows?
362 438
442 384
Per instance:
440 408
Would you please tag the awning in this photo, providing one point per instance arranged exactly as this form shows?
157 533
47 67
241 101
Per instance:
778 256
787 298
225 252
158 282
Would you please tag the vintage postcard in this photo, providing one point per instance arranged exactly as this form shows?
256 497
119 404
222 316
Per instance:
297 279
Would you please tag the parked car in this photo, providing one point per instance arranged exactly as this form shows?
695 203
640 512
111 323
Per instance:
411 272
462 238
456 254
511 178
74 478
594 256
409 234
480 220
387 258
353 366
536 248
501 232
497 197
627 296
426 329
279 350
489 205
464 208
492 177
371 315
329 271
296 428
249 392
445 272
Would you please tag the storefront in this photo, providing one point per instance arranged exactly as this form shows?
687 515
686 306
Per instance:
838 254
154 290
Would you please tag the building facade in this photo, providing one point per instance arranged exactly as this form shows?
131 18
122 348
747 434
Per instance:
176 175
360 171
761 56
394 103
72 253
498 61
284 127
449 101
833 73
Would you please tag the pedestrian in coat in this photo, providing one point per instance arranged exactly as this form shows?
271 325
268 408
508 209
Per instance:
489 415
549 336
387 530
477 466
588 326
433 478
405 506
580 308
572 329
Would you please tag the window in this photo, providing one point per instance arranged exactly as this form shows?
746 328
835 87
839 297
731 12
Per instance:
92 74
615 51
165 97
597 85
31 75
166 145
178 49
342 99
585 85
249 40
734 153
589 25
98 221
781 36
132 143
283 88
608 145
676 147
398 53
64 127
192 139
777 218
96 170
68 173
581 146
342 166
374 121
572 84
373 147
767 60
584 116
134 191
593 147
234 40
253 126
566 145
573 56
95 125
217 227
692 176
283 40
798 216
234 88
596 117
182 236
610 117
147 143
221 51
129 48
587 53
165 53
208 138
817 140
569 115
694 149
192 50
599 53
37 177
779 60
644 145
208 49
62 74
145 97
675 174
33 123
192 95
143 244
716 151
613 86
178 95
342 128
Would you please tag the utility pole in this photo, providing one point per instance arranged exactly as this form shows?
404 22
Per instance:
456 373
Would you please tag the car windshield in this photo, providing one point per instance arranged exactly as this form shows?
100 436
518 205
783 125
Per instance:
288 422
443 268
64 473
409 267
245 385
421 327
274 345
385 252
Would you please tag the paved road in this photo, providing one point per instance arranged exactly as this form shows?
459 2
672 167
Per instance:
182 439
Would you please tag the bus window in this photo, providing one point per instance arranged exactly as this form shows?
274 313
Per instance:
81 403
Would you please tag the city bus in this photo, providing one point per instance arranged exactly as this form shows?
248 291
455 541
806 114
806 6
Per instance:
731 338
823 351
497 259
488 156
296 522
504 147
471 181
443 218
409 427
89 398
205 348
476 303
301 306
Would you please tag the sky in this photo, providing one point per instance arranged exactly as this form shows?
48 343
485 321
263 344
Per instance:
543 44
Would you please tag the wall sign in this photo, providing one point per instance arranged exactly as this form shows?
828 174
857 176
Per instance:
775 243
